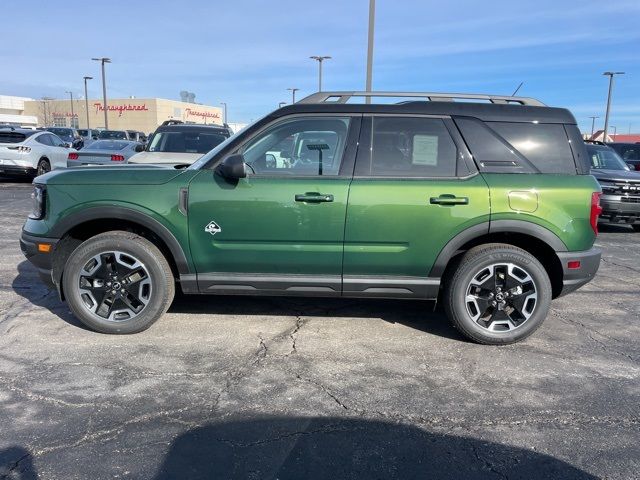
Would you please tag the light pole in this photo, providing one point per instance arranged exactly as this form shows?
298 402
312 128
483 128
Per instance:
372 15
282 104
320 59
293 94
86 99
593 123
615 132
606 116
72 114
224 104
104 60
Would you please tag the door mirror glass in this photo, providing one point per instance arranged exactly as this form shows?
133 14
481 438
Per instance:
233 167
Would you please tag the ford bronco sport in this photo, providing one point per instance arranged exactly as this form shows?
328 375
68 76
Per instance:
485 203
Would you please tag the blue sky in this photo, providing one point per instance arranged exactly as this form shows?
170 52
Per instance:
247 52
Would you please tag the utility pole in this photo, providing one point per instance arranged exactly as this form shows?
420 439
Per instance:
104 60
72 113
615 132
372 17
606 116
320 59
593 123
224 104
293 94
86 99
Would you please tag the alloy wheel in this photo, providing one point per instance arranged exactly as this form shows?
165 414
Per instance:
114 285
501 297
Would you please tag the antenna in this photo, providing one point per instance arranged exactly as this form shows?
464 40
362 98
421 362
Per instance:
516 90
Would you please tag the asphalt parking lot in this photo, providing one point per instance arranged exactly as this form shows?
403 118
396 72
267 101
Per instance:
231 387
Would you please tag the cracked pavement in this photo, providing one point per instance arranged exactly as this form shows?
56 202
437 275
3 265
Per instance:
233 387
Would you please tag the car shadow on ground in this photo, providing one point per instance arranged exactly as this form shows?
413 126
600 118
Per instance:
419 315
323 447
17 179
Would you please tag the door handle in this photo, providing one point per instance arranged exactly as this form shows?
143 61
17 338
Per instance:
314 197
448 199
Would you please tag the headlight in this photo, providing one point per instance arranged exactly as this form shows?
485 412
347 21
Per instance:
607 186
38 196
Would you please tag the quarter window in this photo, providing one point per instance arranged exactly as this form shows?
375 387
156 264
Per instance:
411 147
303 146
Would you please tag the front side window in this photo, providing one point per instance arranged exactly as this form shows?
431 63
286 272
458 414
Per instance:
304 146
411 147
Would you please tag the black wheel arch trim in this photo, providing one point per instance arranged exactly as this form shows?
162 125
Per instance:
496 226
122 213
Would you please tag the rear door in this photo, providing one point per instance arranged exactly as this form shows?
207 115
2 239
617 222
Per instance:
414 189
281 229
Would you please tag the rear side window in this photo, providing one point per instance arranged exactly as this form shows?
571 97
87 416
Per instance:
411 147
503 147
628 152
45 139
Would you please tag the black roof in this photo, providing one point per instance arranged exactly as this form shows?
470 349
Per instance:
489 112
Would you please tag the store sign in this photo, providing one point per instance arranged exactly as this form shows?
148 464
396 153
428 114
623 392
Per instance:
202 114
121 108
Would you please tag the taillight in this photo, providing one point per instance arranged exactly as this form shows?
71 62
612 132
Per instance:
596 210
21 149
72 156
637 167
117 158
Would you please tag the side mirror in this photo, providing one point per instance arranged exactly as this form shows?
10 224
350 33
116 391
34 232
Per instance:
233 167
94 137
139 148
65 145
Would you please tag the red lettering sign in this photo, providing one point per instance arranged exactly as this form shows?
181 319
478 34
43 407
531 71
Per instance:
121 108
197 113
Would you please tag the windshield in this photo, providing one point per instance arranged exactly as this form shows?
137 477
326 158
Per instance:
185 141
605 158
107 145
61 132
113 134
84 133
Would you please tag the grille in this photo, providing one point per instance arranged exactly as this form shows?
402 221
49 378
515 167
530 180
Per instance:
630 199
624 188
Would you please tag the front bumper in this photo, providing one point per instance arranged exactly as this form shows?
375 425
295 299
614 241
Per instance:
41 260
574 278
620 208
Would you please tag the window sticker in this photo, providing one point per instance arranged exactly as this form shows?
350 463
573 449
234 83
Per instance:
425 150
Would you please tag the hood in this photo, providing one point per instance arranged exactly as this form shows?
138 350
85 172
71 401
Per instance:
110 175
616 175
165 157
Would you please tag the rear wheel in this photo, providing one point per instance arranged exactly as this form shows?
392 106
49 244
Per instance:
43 166
118 282
498 294
636 227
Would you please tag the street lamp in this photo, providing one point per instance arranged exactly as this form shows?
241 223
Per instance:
593 123
224 104
606 117
293 94
86 99
372 15
72 115
104 60
281 104
320 59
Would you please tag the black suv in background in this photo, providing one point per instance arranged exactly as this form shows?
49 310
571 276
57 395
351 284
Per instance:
620 198
630 153
68 135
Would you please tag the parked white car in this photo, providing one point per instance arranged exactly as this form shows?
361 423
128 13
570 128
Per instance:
31 152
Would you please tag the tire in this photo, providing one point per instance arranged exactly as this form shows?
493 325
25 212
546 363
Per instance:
43 167
112 260
507 275
636 227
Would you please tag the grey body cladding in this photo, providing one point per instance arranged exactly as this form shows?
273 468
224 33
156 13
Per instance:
311 285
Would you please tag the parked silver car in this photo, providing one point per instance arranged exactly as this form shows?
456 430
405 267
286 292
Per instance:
105 152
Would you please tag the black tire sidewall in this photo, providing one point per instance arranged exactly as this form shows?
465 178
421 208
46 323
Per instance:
470 266
43 162
145 252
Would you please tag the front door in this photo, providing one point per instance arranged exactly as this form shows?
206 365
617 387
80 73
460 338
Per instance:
281 229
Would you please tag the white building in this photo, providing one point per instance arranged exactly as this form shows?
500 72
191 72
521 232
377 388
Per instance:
12 112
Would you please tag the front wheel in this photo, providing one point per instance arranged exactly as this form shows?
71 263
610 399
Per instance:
118 282
498 294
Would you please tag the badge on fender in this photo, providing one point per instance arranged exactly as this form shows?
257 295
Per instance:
212 228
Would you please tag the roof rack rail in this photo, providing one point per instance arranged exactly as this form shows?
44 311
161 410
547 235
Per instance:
344 97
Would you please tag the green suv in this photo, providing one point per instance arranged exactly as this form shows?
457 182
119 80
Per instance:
486 204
